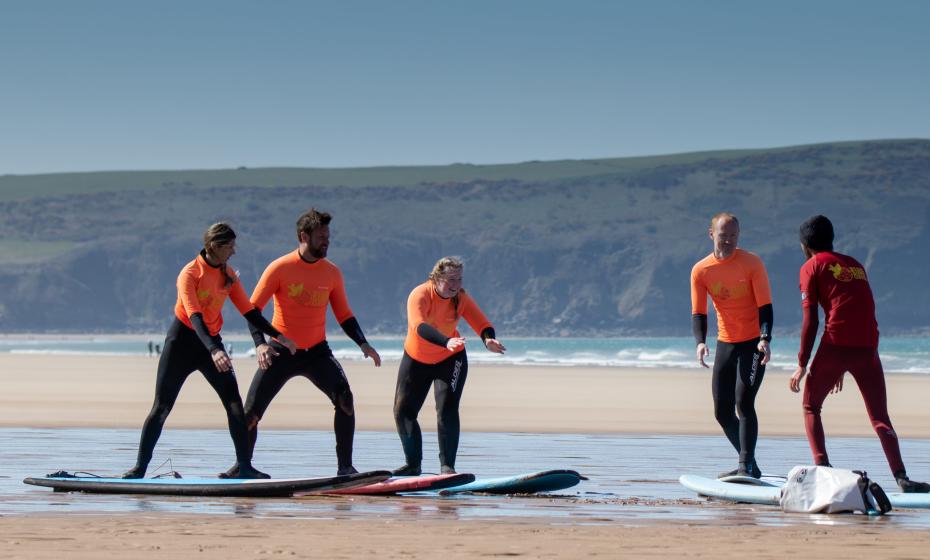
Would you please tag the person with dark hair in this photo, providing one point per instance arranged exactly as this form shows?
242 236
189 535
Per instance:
194 343
434 355
303 283
840 285
738 285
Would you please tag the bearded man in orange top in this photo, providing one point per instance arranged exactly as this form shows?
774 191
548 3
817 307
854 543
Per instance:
737 283
303 283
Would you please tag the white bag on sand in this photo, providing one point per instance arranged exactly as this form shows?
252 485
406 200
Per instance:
829 490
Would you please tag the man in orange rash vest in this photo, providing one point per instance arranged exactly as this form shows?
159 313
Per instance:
737 283
302 284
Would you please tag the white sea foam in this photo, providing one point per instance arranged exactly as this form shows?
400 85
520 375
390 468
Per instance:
910 355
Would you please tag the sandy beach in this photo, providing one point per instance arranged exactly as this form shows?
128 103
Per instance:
116 392
142 536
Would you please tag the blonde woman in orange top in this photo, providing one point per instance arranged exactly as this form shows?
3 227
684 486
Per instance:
434 354
737 283
193 343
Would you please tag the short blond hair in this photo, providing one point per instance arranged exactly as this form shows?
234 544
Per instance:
723 216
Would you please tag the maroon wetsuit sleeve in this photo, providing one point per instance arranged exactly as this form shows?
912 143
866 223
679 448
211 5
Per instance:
809 325
810 321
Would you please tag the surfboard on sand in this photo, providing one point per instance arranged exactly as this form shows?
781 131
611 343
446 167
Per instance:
746 493
766 480
400 484
225 487
770 495
528 483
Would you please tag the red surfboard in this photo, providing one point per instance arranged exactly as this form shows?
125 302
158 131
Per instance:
399 484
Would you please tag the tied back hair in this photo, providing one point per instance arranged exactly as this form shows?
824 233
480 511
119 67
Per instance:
440 269
218 234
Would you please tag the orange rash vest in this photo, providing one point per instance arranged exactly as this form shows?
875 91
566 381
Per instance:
202 289
425 306
301 292
738 286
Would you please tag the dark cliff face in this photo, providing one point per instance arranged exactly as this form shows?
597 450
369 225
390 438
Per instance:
597 253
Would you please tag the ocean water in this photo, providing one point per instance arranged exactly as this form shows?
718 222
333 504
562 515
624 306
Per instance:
899 354
633 479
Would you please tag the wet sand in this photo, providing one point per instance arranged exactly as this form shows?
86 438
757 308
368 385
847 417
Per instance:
113 392
167 536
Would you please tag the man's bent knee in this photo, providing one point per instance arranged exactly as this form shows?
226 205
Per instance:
345 402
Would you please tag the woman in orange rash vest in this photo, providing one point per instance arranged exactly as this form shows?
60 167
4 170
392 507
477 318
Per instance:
193 343
434 354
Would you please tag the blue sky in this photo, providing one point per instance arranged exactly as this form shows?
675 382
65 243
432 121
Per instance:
100 85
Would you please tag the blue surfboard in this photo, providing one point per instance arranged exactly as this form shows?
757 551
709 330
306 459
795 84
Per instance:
217 487
770 495
528 483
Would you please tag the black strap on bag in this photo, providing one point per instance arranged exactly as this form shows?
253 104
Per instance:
873 494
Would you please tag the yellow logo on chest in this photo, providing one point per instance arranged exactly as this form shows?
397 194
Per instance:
720 292
308 298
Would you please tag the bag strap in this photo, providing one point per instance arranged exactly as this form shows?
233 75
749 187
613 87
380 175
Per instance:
878 497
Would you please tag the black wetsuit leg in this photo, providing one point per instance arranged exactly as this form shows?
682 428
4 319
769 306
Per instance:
178 360
227 388
319 366
183 353
327 374
448 387
266 384
736 381
413 383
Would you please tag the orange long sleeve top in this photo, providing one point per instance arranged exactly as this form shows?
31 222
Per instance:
738 286
202 289
301 292
425 306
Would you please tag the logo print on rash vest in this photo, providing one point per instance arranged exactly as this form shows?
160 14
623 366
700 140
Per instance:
721 292
308 298
847 274
206 299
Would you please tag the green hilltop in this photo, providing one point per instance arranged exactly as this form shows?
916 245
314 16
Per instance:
571 247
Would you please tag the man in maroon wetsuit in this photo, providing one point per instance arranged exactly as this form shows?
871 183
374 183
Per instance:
839 284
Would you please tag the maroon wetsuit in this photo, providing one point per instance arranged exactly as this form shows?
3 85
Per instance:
839 284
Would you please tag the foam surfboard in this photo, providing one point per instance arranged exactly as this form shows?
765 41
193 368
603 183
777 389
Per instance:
746 493
766 480
399 484
529 483
770 495
218 487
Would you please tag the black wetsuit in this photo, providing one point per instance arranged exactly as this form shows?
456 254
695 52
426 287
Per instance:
413 382
737 378
317 364
185 352
738 374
